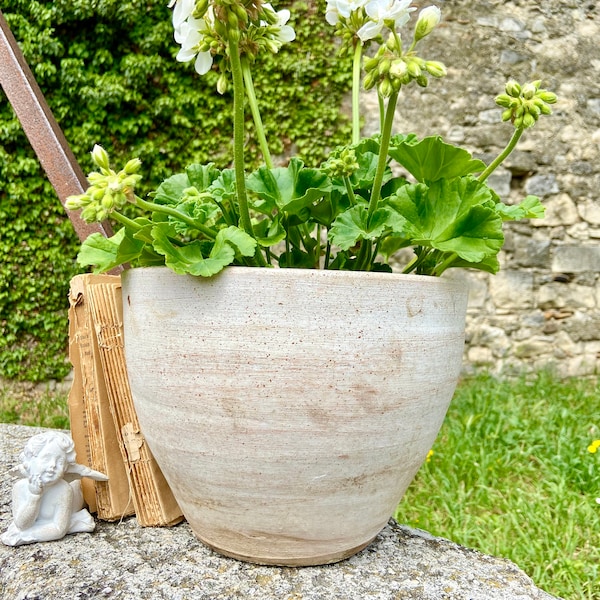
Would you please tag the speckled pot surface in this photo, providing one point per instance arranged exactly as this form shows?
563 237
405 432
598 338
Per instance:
290 409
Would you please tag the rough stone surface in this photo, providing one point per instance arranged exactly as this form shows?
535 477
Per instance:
484 44
124 561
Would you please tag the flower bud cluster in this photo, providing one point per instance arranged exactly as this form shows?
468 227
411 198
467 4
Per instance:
390 69
108 189
524 104
342 163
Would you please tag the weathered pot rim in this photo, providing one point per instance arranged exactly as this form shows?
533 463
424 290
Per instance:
267 273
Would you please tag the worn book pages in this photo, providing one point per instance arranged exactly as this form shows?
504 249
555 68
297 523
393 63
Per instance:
92 425
153 500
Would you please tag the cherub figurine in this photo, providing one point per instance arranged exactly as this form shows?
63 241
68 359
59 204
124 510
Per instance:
48 503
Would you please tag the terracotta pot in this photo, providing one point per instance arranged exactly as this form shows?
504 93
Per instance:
290 409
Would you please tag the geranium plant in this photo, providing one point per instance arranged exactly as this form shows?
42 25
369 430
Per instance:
370 198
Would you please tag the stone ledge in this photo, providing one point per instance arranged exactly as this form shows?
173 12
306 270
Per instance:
125 561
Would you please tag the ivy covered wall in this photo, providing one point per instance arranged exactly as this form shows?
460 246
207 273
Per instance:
108 72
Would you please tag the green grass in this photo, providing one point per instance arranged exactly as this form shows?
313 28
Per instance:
23 404
511 475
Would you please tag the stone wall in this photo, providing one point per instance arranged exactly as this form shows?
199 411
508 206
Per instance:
543 308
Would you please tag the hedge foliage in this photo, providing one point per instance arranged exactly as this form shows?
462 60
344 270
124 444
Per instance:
108 72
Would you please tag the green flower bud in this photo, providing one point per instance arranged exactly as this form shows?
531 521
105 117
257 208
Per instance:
95 177
88 214
436 68
222 84
507 114
528 91
74 202
533 110
547 96
200 9
528 120
504 100
101 215
96 194
100 158
413 68
384 66
370 80
371 63
428 20
133 166
391 42
398 68
422 80
513 89
108 202
385 88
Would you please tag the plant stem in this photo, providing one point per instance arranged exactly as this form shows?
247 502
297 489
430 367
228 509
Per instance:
238 134
365 254
350 191
167 210
502 156
381 111
258 124
125 221
356 93
445 264
384 145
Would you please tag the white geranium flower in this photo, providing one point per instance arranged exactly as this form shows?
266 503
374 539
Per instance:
381 11
286 33
341 8
182 11
187 34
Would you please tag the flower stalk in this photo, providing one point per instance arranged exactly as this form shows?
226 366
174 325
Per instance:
238 134
254 109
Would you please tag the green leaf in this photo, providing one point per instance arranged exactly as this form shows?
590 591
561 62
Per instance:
289 189
354 225
107 253
269 232
202 176
190 258
223 186
530 208
170 191
452 216
432 159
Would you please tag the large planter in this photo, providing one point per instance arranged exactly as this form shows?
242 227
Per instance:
290 409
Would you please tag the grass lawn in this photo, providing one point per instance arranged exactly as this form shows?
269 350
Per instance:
24 404
511 475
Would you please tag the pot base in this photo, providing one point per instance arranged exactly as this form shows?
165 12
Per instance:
303 561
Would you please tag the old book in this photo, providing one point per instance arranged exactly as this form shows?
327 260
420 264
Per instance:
92 425
153 500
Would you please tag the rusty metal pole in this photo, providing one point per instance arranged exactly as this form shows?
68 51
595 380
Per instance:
42 130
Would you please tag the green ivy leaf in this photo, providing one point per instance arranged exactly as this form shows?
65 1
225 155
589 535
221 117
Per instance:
289 189
432 159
